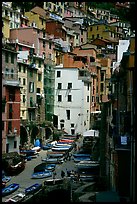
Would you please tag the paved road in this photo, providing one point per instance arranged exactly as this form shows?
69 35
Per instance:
24 178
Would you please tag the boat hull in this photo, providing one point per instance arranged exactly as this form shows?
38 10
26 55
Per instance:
32 189
10 189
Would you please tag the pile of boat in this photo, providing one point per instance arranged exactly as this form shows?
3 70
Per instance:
20 196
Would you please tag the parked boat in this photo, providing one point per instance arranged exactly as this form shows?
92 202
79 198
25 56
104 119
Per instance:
53 160
37 149
43 166
47 146
16 198
60 148
32 189
30 152
53 181
78 159
55 155
50 167
42 174
6 179
81 155
10 189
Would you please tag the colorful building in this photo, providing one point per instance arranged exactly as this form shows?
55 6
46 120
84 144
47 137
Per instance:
10 100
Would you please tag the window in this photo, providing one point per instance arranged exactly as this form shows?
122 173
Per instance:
24 81
81 32
102 76
24 69
97 27
97 35
24 98
69 98
59 98
19 67
15 144
82 40
2 125
72 124
31 73
39 77
92 98
102 87
3 107
7 57
88 87
87 98
12 58
31 102
12 73
31 87
59 85
38 90
77 37
92 36
11 14
69 85
50 45
39 63
44 34
90 28
9 126
43 44
58 73
68 114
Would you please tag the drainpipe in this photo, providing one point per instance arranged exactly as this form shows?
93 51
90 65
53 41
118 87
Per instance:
131 137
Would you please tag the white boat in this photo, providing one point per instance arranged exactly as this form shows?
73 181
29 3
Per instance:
16 198
60 148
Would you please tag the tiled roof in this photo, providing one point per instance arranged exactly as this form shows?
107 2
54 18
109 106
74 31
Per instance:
40 11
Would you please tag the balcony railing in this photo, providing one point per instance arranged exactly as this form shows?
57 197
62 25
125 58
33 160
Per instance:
11 83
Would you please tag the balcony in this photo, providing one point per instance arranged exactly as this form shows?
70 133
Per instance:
11 83
11 134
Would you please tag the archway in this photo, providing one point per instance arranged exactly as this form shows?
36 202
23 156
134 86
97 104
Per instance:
34 134
48 132
23 135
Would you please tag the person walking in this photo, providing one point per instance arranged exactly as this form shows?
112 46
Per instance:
54 174
62 174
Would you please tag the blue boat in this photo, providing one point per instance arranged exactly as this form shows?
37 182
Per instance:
10 189
43 166
32 189
78 159
42 174
6 179
81 155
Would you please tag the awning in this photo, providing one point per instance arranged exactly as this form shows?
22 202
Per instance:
91 133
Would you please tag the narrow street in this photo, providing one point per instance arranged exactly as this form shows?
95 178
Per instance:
24 178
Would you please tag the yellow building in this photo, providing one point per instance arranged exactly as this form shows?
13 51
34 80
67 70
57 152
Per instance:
55 7
37 17
103 31
105 77
6 28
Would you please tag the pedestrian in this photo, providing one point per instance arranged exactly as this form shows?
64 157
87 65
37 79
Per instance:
62 174
68 173
69 156
54 174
